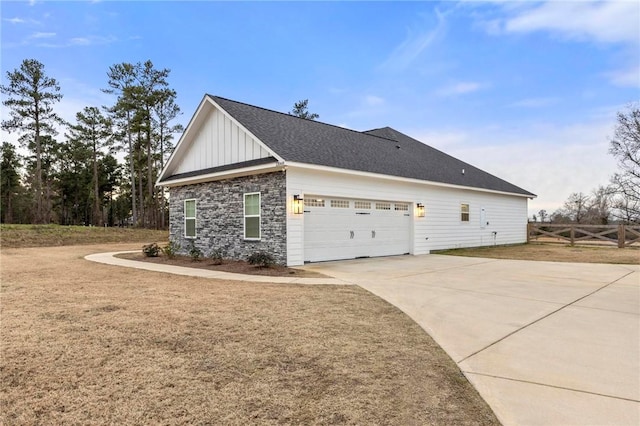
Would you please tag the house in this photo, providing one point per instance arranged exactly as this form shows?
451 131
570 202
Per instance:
244 179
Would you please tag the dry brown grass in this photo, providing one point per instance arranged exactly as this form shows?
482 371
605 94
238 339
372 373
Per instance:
85 343
12 236
553 253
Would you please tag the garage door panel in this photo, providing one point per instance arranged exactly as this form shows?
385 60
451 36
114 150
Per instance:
365 228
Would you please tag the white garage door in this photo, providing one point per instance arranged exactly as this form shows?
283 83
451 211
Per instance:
338 228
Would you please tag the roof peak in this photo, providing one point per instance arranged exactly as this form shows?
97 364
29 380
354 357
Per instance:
214 97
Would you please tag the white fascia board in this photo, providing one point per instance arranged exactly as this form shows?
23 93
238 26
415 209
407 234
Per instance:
399 179
230 117
227 174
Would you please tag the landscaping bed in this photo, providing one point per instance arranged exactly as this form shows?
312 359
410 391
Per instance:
225 265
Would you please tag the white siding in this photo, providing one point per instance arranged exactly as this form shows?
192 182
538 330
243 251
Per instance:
218 142
441 227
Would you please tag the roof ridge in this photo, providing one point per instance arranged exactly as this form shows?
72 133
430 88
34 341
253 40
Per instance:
300 118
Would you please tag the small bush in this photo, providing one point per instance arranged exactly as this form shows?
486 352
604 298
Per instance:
216 256
194 252
151 250
261 259
171 249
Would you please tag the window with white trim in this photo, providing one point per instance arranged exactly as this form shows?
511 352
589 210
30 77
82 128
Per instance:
402 207
383 206
252 216
464 212
190 218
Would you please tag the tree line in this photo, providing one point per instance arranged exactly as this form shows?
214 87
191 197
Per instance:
619 200
75 178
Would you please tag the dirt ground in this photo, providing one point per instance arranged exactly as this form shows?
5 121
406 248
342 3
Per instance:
553 253
85 343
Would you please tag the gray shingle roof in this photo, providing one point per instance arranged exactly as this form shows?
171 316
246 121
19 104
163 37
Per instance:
384 151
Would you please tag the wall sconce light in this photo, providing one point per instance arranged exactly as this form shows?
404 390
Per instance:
420 209
298 204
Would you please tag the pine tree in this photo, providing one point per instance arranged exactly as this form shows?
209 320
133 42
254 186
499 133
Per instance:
300 109
31 96
93 130
9 180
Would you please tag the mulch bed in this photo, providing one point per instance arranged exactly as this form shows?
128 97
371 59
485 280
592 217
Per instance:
234 266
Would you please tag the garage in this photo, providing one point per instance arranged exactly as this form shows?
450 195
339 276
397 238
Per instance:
340 228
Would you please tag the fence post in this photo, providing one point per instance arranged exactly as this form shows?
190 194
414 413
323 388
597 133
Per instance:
621 236
529 226
572 234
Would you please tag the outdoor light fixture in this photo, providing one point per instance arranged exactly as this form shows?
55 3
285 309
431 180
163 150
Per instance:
420 209
298 204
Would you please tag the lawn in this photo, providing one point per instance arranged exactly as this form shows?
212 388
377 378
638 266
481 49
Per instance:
86 343
552 253
58 235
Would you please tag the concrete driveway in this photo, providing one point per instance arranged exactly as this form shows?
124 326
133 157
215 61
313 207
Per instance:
544 343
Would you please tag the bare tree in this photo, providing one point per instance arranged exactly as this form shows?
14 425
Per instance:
625 147
599 206
576 207
543 215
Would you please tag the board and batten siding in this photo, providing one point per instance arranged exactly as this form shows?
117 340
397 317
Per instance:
441 228
218 142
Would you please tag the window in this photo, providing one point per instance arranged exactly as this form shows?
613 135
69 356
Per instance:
340 204
464 212
190 218
383 206
362 205
402 207
314 202
252 216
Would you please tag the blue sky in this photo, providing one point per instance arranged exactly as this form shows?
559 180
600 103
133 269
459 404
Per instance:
525 90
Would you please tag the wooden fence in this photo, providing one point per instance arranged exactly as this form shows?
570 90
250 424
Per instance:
622 235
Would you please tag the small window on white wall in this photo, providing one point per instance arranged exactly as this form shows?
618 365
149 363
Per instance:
464 212
252 216
190 218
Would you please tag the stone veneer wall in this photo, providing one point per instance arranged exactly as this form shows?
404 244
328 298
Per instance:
220 216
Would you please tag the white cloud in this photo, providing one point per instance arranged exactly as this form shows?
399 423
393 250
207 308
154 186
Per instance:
443 139
81 41
601 21
535 102
414 44
42 35
626 78
550 161
371 100
461 88
15 20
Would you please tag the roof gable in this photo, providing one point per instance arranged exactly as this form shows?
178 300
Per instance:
213 140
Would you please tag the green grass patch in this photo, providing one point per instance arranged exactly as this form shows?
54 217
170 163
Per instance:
15 236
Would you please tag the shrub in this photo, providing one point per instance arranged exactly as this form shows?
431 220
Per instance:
195 252
151 250
216 256
171 249
261 259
